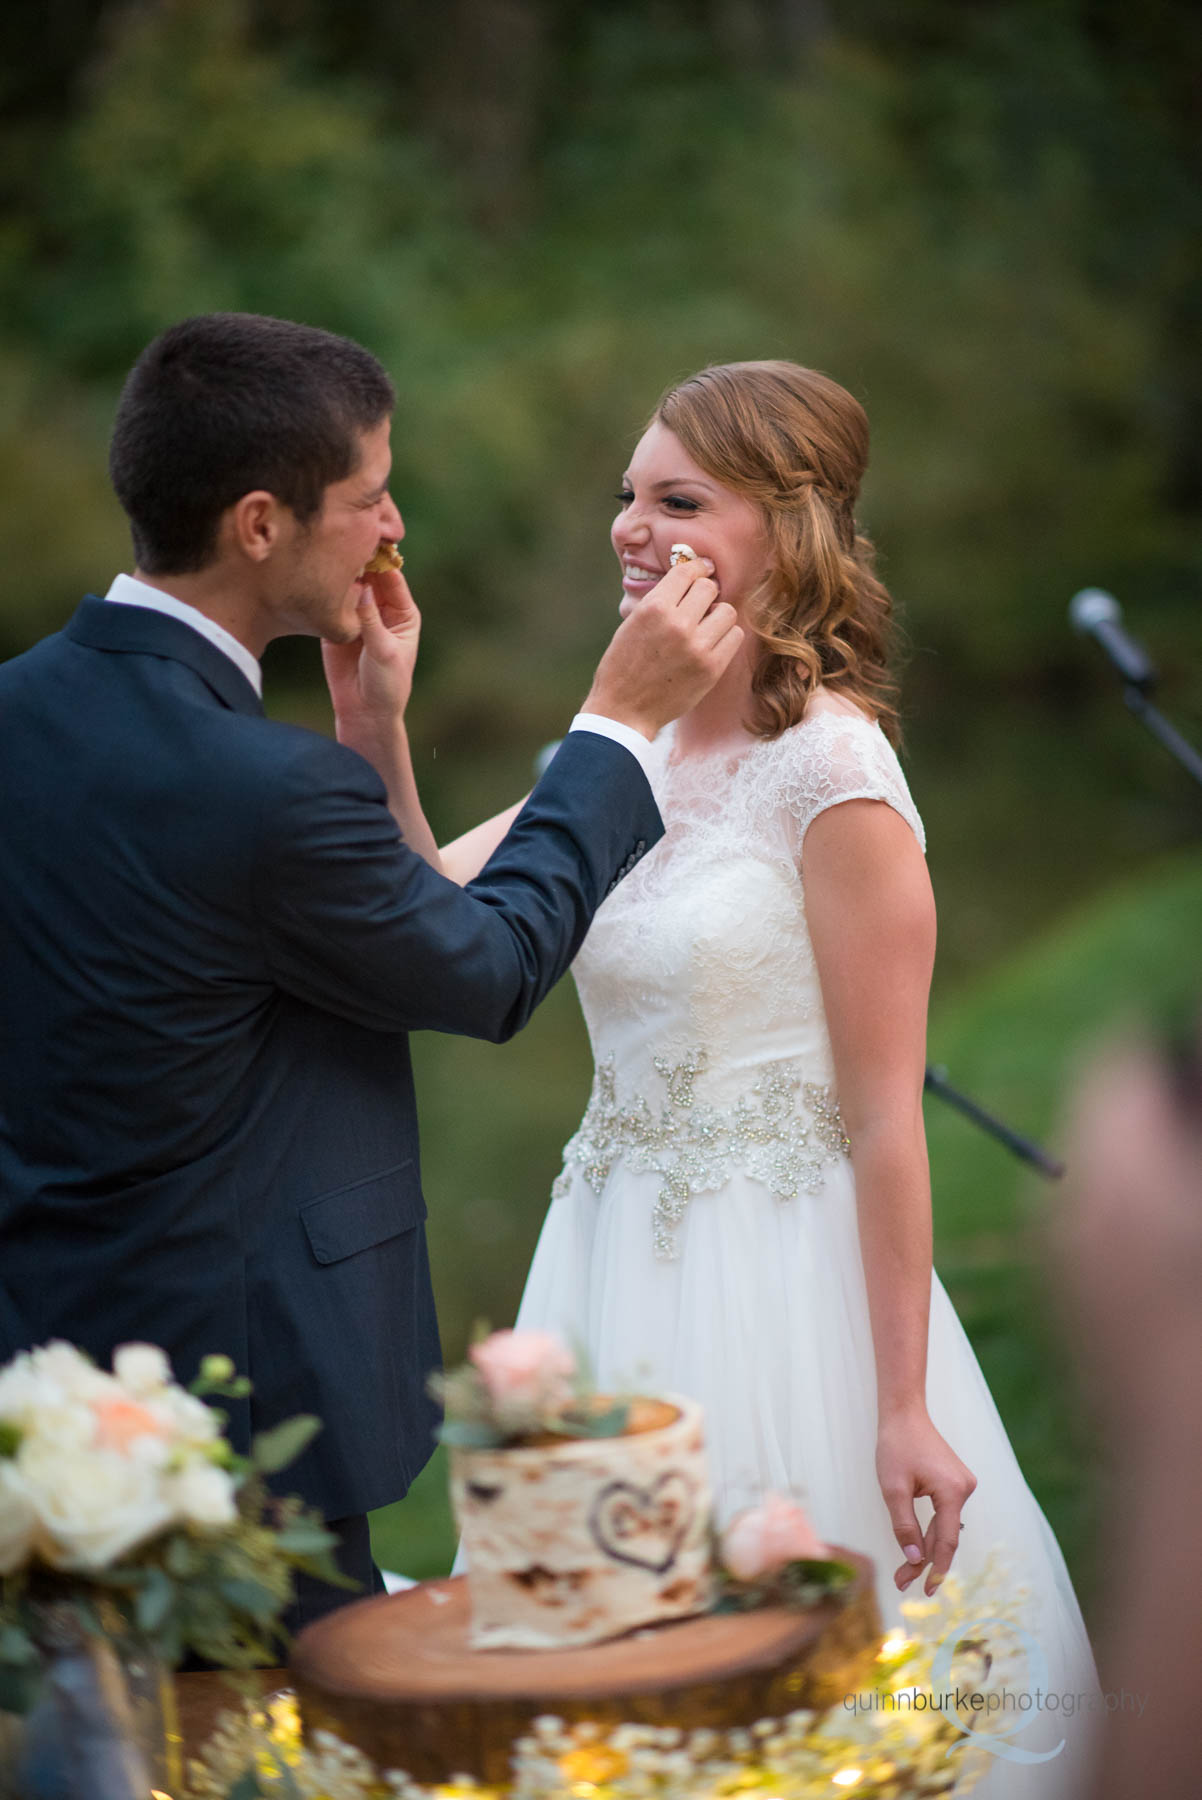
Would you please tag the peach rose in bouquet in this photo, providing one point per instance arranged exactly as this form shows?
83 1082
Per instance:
121 1498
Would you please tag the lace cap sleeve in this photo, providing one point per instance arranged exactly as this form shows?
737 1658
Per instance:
834 757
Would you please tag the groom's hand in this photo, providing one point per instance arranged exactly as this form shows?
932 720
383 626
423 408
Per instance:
370 680
668 654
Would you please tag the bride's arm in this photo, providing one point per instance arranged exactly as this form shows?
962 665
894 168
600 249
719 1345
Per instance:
465 856
871 917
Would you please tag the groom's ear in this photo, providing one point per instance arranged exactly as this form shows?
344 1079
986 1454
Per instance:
256 524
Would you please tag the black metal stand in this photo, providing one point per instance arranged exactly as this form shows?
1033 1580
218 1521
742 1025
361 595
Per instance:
936 1082
1166 734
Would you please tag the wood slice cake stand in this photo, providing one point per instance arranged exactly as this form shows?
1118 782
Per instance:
396 1676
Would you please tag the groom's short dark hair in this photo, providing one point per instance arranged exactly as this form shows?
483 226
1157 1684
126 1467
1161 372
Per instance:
225 403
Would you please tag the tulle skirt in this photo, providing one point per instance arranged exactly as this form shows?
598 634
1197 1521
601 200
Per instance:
763 1317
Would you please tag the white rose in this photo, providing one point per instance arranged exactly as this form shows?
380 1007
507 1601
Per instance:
92 1505
142 1368
70 1370
62 1425
185 1416
22 1391
204 1495
51 1379
18 1518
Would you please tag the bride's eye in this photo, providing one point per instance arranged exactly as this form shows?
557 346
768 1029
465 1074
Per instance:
625 495
680 503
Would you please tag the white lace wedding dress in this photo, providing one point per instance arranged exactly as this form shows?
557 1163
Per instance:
702 1236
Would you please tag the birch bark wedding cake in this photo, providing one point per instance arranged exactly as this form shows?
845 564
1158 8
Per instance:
586 1526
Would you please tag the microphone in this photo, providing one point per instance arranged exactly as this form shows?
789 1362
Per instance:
1098 615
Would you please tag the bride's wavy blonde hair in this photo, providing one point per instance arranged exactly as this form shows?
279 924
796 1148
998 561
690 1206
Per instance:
796 444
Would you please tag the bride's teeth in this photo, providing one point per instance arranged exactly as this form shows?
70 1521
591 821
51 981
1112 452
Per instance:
634 573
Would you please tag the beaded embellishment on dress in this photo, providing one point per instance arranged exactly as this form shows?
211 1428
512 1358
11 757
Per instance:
784 1132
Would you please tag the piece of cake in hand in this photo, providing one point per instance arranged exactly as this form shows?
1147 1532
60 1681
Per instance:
386 558
582 1516
681 553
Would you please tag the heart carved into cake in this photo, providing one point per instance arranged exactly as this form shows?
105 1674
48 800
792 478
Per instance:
644 1527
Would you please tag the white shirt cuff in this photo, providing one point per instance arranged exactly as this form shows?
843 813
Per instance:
626 735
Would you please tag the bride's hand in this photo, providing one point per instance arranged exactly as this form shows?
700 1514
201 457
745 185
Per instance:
370 680
912 1459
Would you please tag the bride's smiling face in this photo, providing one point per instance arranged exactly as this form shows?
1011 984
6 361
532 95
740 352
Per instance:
667 499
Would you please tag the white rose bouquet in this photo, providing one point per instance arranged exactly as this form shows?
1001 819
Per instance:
124 1511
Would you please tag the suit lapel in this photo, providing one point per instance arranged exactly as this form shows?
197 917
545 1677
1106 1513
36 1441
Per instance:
137 630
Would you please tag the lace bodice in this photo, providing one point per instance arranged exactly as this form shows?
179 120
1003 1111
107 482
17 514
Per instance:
698 981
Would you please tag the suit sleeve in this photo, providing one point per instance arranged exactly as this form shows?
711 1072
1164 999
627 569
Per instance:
355 923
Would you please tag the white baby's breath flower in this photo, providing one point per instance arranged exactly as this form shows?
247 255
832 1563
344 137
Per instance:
18 1518
92 1505
203 1495
142 1368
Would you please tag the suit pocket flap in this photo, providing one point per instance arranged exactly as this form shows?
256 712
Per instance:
365 1213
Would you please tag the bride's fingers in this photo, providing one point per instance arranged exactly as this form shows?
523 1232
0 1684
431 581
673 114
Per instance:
909 1537
944 1535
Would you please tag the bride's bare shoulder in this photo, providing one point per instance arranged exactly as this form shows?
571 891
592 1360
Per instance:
824 703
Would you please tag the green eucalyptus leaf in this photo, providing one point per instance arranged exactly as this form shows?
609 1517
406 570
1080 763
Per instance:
326 1569
154 1602
275 1449
305 1539
247 1787
17 1647
182 1558
470 1434
10 1438
250 1597
599 1425
19 1688
827 1571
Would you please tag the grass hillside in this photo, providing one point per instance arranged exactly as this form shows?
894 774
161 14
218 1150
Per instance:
1013 1041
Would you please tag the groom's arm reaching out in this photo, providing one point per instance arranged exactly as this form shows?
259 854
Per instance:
356 922
659 663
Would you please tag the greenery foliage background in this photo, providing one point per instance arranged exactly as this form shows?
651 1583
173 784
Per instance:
983 220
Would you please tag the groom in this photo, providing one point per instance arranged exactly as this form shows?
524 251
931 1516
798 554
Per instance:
215 937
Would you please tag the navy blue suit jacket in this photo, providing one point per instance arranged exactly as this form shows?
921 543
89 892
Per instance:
213 944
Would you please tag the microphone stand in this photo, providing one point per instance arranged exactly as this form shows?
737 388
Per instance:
936 1082
1138 702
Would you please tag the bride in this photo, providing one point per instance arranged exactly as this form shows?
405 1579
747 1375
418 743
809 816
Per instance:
744 1213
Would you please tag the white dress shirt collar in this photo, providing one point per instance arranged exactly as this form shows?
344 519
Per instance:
127 590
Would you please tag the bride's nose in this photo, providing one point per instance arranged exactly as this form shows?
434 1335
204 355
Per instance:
630 531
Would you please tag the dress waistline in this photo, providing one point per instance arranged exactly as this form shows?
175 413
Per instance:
783 1131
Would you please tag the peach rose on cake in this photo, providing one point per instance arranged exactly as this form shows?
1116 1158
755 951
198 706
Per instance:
767 1537
527 1373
